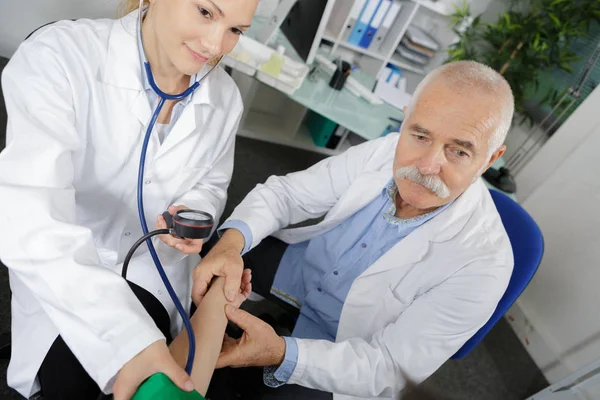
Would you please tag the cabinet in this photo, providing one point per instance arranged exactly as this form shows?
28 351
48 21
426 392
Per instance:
431 16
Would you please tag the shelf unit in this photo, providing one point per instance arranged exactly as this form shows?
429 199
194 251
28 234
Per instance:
257 126
271 116
274 117
431 16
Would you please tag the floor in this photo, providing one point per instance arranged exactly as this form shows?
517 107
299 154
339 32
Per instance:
498 369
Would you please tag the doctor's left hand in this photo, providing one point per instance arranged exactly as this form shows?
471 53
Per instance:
186 246
259 346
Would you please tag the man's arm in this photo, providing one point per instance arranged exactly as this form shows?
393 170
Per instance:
297 197
425 335
279 202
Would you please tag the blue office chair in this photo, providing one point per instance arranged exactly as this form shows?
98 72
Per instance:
528 246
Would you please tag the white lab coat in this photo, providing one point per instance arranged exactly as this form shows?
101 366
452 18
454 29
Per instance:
77 115
417 304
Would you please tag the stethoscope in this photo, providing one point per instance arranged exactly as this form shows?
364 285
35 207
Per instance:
189 224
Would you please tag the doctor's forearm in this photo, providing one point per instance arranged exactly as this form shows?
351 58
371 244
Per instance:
209 323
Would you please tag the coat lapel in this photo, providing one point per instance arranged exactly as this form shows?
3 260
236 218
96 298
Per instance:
441 228
197 114
364 190
140 108
123 70
123 66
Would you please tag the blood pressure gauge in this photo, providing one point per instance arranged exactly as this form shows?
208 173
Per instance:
189 224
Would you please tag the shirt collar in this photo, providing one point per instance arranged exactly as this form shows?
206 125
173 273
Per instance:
390 191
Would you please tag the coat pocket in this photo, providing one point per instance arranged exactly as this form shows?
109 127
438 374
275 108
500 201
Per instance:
392 307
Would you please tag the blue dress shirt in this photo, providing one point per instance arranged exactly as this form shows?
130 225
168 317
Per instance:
316 275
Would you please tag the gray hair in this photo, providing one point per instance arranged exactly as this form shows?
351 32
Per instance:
468 76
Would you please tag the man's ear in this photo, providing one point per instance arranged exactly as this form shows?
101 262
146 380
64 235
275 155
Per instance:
495 157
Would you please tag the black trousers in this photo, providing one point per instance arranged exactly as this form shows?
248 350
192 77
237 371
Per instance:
62 376
247 383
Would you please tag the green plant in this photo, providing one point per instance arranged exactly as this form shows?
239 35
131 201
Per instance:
526 40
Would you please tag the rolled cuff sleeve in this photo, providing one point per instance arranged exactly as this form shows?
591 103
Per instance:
275 377
244 230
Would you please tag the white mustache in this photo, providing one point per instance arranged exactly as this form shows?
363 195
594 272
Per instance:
431 182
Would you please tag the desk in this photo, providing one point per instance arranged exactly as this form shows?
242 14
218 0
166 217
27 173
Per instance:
344 108
283 122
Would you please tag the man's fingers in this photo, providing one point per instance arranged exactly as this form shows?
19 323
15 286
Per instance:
233 282
247 290
228 355
202 279
241 318
247 276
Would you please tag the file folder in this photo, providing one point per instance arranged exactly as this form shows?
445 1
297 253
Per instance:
385 27
363 22
375 23
352 18
420 37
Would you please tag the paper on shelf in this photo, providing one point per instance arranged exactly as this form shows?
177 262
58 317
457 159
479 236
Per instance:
249 55
392 95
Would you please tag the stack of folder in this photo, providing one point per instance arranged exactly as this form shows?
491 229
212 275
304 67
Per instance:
417 46
369 23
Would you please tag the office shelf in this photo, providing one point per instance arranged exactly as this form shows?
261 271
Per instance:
442 8
403 63
267 127
362 50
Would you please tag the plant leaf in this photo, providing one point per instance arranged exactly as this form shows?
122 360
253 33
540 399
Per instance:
566 67
536 42
555 19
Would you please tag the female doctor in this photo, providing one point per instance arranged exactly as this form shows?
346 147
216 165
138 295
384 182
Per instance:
79 102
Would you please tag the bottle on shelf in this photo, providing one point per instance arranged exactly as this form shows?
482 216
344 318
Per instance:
275 64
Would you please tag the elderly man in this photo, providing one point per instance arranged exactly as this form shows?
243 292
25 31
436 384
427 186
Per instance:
408 263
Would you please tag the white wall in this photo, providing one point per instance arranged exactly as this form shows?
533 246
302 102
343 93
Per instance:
18 18
560 188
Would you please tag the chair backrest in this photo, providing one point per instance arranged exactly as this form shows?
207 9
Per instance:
528 247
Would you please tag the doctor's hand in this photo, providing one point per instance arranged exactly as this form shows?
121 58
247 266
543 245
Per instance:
186 246
225 260
153 359
259 346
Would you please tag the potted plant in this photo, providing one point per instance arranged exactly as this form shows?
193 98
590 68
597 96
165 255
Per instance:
531 37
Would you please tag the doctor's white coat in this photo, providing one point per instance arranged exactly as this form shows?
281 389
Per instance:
77 114
416 305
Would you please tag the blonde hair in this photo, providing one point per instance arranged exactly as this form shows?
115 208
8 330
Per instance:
131 5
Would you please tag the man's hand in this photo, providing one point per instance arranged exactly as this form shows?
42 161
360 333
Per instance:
224 260
259 346
245 290
153 359
186 246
